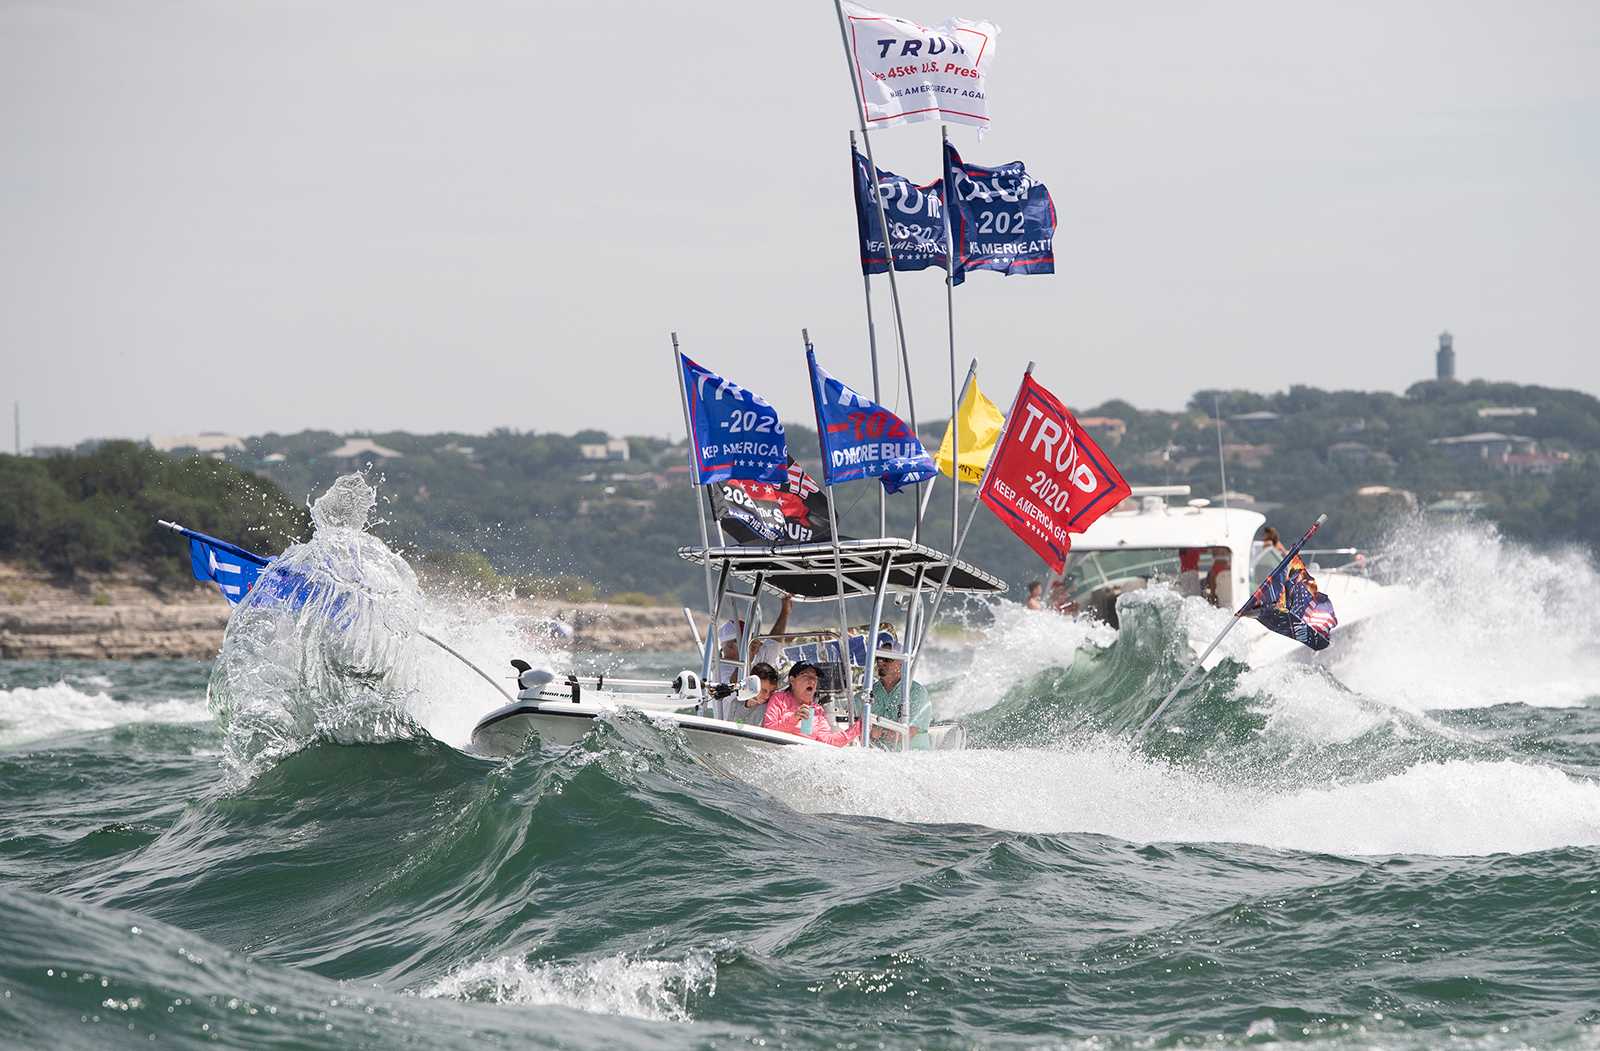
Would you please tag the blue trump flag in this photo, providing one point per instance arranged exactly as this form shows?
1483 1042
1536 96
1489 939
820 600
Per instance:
861 439
1002 218
232 569
737 435
916 216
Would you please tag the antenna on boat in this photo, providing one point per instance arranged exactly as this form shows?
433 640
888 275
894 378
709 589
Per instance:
1222 461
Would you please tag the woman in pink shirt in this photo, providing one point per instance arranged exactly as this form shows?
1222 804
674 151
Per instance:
789 710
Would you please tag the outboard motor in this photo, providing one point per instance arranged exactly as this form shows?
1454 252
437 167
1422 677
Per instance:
531 680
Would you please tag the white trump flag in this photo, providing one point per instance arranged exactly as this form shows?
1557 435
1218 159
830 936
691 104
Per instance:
906 72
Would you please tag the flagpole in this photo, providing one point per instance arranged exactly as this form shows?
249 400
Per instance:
938 596
883 223
1232 621
950 327
872 349
833 525
694 478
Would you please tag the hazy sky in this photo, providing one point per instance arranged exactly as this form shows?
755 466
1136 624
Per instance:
249 216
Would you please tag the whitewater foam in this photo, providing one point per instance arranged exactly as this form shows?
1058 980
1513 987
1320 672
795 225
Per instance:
1484 621
657 990
1017 644
32 713
1457 807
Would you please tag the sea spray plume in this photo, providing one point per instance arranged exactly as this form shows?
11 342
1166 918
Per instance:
324 645
1485 621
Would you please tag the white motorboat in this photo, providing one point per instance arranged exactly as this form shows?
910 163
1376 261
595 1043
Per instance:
702 706
1139 543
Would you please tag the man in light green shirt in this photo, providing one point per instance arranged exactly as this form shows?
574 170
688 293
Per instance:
887 694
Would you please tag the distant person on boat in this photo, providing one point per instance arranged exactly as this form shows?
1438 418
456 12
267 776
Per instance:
762 650
1219 582
1035 595
1269 552
796 710
754 711
1061 598
891 688
1189 582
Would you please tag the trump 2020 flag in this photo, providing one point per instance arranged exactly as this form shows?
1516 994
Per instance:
916 218
1001 218
1290 603
232 569
794 512
736 433
907 72
1048 478
861 439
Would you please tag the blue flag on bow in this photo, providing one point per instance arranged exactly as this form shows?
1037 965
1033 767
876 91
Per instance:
861 439
232 569
1002 218
1289 602
737 435
916 217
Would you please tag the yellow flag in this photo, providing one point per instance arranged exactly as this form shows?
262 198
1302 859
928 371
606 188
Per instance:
981 424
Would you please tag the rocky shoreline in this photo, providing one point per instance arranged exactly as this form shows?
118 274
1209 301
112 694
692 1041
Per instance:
120 617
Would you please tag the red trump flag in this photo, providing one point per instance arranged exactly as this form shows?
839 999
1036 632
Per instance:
1048 478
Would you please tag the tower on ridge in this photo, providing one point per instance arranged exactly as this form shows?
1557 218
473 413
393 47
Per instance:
1445 358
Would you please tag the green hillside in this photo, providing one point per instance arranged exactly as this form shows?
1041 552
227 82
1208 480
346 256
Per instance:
536 506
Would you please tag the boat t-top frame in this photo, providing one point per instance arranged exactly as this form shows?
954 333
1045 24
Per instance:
817 572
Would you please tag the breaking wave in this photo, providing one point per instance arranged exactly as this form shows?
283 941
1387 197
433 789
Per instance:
659 990
1104 787
35 713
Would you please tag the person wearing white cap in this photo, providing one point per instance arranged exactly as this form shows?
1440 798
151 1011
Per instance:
761 650
890 689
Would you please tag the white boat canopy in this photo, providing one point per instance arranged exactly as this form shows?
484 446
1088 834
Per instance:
1151 525
807 571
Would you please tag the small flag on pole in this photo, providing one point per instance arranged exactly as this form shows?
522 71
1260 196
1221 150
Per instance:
1049 479
1290 603
981 422
861 439
231 568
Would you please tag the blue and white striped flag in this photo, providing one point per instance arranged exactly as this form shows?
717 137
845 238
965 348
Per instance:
232 569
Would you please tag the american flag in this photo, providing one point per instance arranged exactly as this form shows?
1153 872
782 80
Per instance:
800 482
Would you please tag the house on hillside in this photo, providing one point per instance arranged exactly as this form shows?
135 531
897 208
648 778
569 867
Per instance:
1246 455
361 449
610 449
1233 499
207 443
1540 463
1260 416
1385 498
1107 430
1460 502
1358 454
1505 412
1488 448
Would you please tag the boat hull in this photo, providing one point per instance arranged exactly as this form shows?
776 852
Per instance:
505 731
